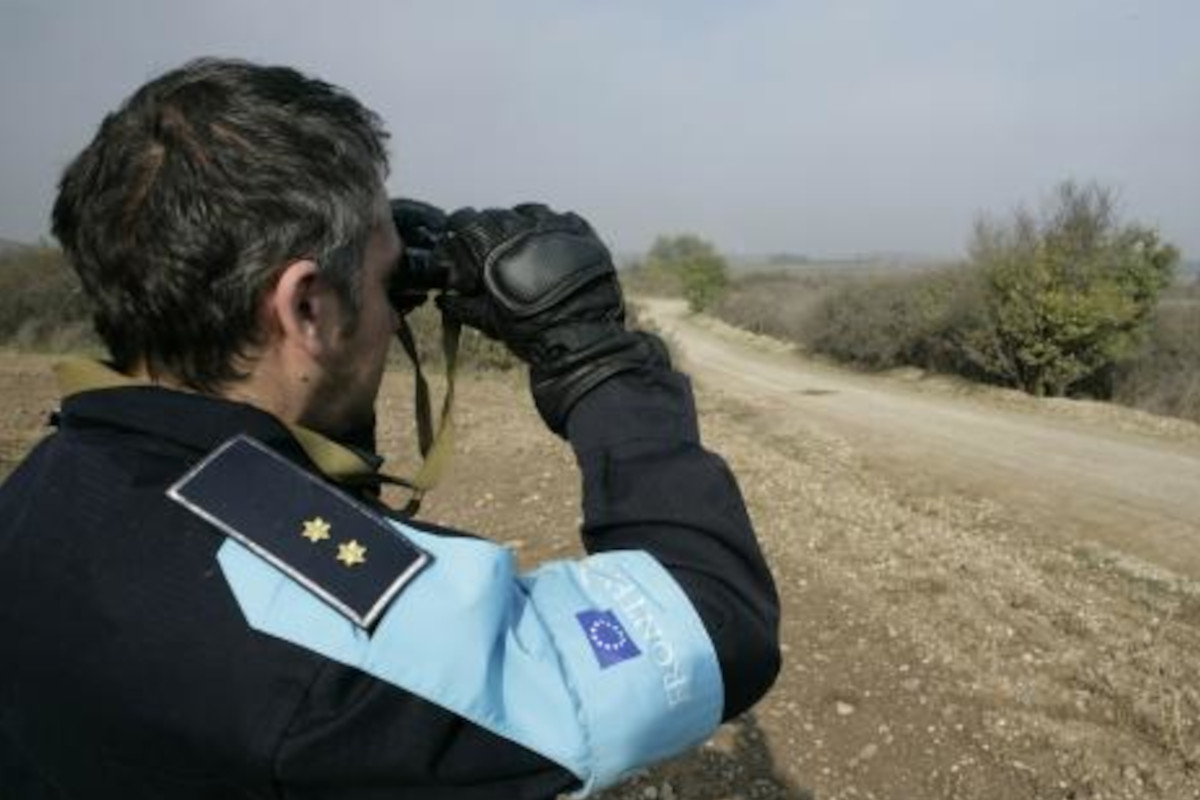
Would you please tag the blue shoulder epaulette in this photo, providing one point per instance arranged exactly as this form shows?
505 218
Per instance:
340 550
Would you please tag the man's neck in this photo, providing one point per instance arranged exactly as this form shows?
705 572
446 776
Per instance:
262 387
78 375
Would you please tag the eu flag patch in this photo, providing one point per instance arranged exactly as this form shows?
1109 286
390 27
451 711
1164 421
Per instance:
609 640
337 548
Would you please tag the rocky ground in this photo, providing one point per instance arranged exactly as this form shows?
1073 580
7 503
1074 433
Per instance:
939 643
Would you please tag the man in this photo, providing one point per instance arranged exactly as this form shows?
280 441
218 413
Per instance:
200 596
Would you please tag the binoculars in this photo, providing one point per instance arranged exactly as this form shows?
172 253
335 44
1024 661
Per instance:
422 227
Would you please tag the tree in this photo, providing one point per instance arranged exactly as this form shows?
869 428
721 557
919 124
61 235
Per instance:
1066 294
700 270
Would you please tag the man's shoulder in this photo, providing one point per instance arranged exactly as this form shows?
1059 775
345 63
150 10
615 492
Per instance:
22 467
108 456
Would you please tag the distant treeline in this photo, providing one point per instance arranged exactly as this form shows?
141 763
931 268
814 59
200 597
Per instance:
42 305
1072 303
883 321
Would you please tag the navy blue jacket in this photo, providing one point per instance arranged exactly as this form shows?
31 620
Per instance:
127 669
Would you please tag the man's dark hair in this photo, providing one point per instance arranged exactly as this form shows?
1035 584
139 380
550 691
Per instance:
195 193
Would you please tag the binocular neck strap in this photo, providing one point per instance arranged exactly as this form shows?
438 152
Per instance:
436 448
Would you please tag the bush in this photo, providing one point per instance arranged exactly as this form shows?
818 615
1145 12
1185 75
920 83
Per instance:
692 264
914 319
1067 296
1163 377
775 304
877 319
42 305
933 319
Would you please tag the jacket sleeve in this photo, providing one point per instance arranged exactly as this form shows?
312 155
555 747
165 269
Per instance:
650 485
597 666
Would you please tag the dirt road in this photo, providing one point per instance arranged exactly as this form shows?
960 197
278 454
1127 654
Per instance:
1139 494
985 595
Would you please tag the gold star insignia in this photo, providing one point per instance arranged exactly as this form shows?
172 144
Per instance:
351 553
315 530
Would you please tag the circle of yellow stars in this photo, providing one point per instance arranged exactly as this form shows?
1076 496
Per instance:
349 553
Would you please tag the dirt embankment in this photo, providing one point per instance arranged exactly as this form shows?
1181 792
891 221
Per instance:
964 616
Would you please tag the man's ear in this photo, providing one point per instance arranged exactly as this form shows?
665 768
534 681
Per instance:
305 308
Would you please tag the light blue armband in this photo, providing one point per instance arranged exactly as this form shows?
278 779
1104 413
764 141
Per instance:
601 665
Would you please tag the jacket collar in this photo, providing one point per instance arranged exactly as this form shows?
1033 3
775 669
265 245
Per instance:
95 394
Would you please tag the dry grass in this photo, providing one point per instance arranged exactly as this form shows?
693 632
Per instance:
1164 376
42 306
926 318
476 351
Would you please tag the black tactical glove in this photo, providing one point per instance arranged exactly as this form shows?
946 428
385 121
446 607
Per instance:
544 284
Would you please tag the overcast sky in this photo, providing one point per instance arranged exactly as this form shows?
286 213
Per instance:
825 127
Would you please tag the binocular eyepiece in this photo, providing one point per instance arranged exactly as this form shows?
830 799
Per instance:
421 227
420 271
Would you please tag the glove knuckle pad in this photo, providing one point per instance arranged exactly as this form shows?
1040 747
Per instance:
539 271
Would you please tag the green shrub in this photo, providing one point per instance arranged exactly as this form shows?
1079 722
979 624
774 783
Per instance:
1067 295
692 264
